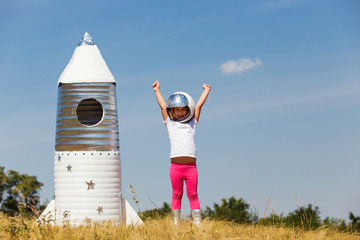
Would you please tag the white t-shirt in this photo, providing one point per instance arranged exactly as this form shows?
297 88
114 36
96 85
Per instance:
182 138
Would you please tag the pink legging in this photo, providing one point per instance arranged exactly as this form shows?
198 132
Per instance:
179 173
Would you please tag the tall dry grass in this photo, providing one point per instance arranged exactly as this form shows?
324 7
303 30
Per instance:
25 228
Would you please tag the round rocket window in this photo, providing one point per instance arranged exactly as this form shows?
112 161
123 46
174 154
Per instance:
89 112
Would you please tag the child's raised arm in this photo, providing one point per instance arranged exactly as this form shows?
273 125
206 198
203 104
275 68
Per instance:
202 100
160 99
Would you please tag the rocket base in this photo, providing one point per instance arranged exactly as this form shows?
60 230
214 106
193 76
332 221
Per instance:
49 216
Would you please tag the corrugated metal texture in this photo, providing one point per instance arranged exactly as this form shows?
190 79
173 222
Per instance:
87 186
85 101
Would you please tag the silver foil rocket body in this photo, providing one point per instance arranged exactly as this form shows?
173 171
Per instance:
87 117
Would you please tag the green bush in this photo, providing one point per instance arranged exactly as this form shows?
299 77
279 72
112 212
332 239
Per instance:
305 218
232 209
156 213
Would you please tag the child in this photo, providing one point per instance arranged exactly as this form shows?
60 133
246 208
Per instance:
181 117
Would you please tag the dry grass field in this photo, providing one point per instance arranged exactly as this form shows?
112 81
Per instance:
23 228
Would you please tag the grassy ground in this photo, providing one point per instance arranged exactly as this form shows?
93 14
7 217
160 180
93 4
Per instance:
23 228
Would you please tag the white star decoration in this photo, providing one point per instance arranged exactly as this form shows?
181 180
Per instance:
90 184
69 167
99 209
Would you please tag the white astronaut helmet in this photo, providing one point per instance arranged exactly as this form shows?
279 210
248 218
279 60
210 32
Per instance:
181 99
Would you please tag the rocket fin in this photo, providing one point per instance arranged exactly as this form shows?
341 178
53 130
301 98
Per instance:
48 215
129 214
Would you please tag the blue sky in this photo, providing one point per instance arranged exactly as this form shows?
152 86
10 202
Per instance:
281 122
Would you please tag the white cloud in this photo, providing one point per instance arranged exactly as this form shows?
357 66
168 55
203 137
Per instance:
239 66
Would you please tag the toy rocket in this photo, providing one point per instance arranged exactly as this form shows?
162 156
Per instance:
87 166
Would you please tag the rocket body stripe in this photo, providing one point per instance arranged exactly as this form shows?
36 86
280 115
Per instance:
71 134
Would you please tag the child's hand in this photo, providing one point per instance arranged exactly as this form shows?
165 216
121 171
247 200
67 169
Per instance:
156 85
206 86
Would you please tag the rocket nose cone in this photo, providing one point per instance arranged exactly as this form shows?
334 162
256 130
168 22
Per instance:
86 40
86 65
